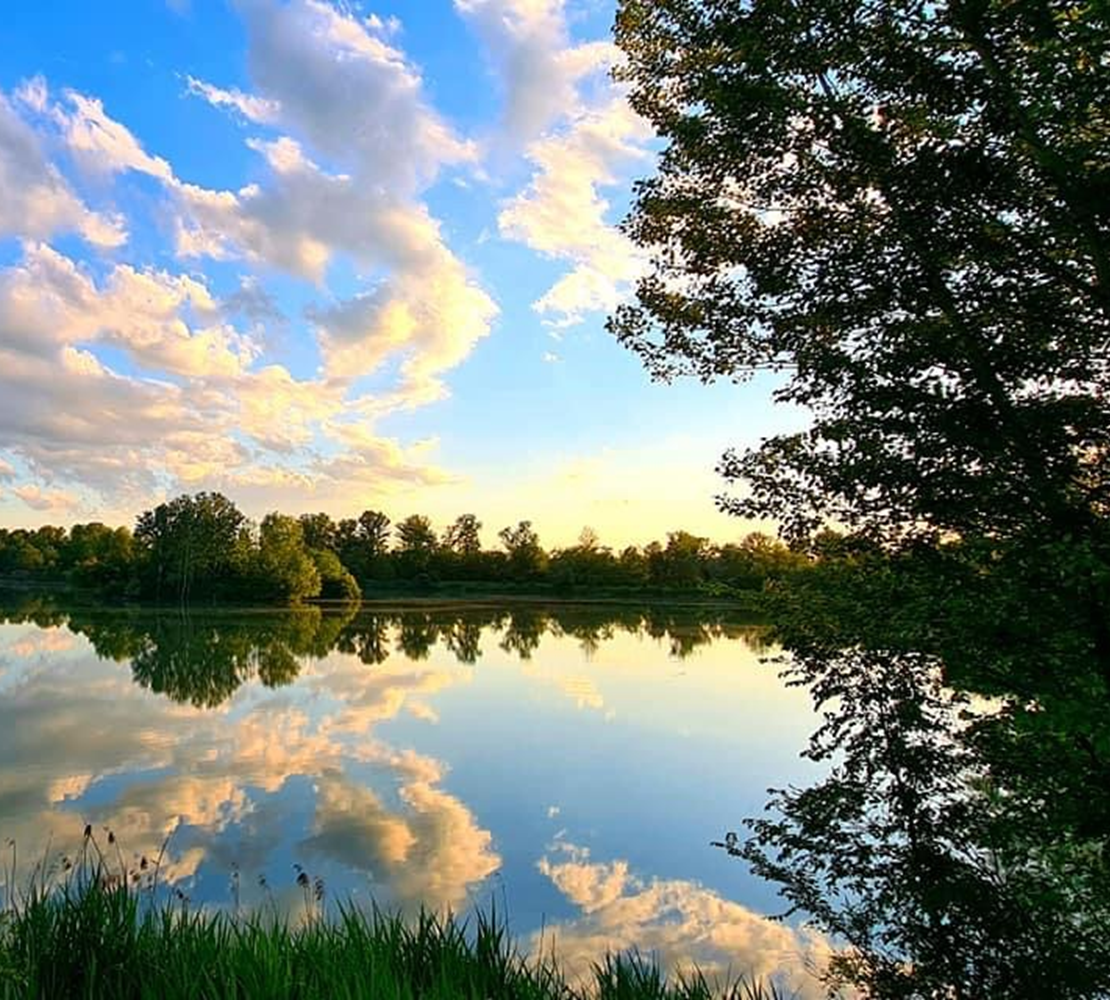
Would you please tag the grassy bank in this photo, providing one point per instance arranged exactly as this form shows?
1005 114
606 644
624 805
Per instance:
103 942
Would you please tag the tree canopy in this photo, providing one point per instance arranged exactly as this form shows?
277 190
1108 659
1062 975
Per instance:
905 207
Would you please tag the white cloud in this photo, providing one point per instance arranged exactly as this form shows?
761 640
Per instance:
562 213
302 217
530 46
72 418
427 309
541 70
348 144
223 407
47 300
581 135
33 93
252 301
338 87
101 143
430 313
255 109
361 466
351 95
35 200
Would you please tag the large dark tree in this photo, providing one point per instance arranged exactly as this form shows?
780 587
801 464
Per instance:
905 206
904 209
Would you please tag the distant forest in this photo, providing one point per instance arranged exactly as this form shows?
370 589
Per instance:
203 549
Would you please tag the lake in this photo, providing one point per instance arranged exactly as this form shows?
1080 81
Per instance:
568 764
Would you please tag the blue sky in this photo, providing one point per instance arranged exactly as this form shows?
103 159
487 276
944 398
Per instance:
331 256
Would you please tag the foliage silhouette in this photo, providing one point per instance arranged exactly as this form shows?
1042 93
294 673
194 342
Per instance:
904 209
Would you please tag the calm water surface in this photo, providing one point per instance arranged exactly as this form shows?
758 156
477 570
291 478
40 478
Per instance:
570 765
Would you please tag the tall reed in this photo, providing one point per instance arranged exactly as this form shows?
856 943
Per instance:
94 928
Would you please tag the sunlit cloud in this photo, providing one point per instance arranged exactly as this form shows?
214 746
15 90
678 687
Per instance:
36 202
47 299
55 501
269 327
563 215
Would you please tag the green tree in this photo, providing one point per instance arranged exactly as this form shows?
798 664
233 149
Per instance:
284 567
50 540
20 554
526 558
320 532
191 546
463 537
684 558
904 209
588 563
373 532
416 534
336 581
758 558
363 543
417 545
99 555
633 566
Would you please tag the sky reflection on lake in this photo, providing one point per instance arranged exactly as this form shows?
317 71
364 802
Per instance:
570 765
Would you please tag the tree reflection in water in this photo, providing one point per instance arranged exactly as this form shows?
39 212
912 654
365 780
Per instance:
203 658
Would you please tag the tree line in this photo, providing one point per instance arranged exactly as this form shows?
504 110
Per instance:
202 549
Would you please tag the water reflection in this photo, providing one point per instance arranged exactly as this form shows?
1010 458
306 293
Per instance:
679 921
202 659
425 756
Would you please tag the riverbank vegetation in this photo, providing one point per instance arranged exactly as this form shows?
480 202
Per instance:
100 938
202 550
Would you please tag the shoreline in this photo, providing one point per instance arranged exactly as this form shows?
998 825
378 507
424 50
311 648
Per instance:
400 598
